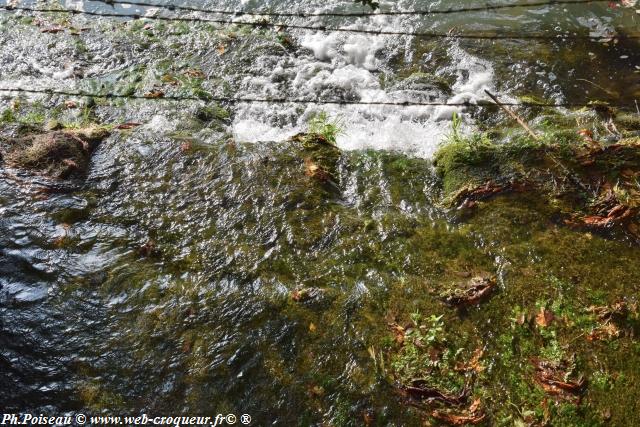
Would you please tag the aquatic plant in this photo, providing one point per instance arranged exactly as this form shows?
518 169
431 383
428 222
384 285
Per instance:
58 154
420 342
320 126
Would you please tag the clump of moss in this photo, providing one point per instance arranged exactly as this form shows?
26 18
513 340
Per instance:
426 82
457 158
58 154
207 114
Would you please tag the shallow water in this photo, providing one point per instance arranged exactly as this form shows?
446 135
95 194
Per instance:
339 66
205 323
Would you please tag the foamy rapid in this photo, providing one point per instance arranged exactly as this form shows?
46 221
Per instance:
348 66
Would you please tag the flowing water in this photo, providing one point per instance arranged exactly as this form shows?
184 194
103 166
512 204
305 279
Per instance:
162 283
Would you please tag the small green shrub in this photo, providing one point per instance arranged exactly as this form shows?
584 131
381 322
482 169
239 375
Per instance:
459 150
413 361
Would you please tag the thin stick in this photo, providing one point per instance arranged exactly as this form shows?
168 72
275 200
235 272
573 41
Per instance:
607 91
513 115
522 123
637 108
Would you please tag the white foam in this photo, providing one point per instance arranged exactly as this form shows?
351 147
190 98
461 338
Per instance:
345 66
159 124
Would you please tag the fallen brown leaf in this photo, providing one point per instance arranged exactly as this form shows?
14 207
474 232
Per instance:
544 317
313 170
586 135
148 249
154 94
476 289
185 147
193 73
128 125
473 415
421 391
398 332
607 331
553 378
52 30
368 417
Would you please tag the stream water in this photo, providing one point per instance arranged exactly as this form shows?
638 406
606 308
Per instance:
93 320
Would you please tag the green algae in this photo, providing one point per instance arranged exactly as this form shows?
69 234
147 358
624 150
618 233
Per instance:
377 262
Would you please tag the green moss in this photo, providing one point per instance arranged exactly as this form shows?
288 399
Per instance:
238 227
7 116
425 81
628 123
461 160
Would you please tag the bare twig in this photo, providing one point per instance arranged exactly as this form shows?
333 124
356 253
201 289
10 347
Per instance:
513 115
607 91
524 125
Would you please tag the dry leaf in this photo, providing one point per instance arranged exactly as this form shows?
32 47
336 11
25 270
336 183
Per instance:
128 125
154 94
193 73
553 378
398 332
52 30
476 289
606 331
313 170
421 391
473 415
185 147
544 317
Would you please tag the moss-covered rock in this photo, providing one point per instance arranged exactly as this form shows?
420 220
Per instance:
425 82
593 184
58 154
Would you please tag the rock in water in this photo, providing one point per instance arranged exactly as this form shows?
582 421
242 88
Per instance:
57 154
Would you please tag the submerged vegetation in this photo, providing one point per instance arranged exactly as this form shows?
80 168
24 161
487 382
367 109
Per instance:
58 154
592 184
186 271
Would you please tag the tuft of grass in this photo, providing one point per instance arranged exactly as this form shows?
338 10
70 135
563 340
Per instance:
7 116
320 126
33 118
459 152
